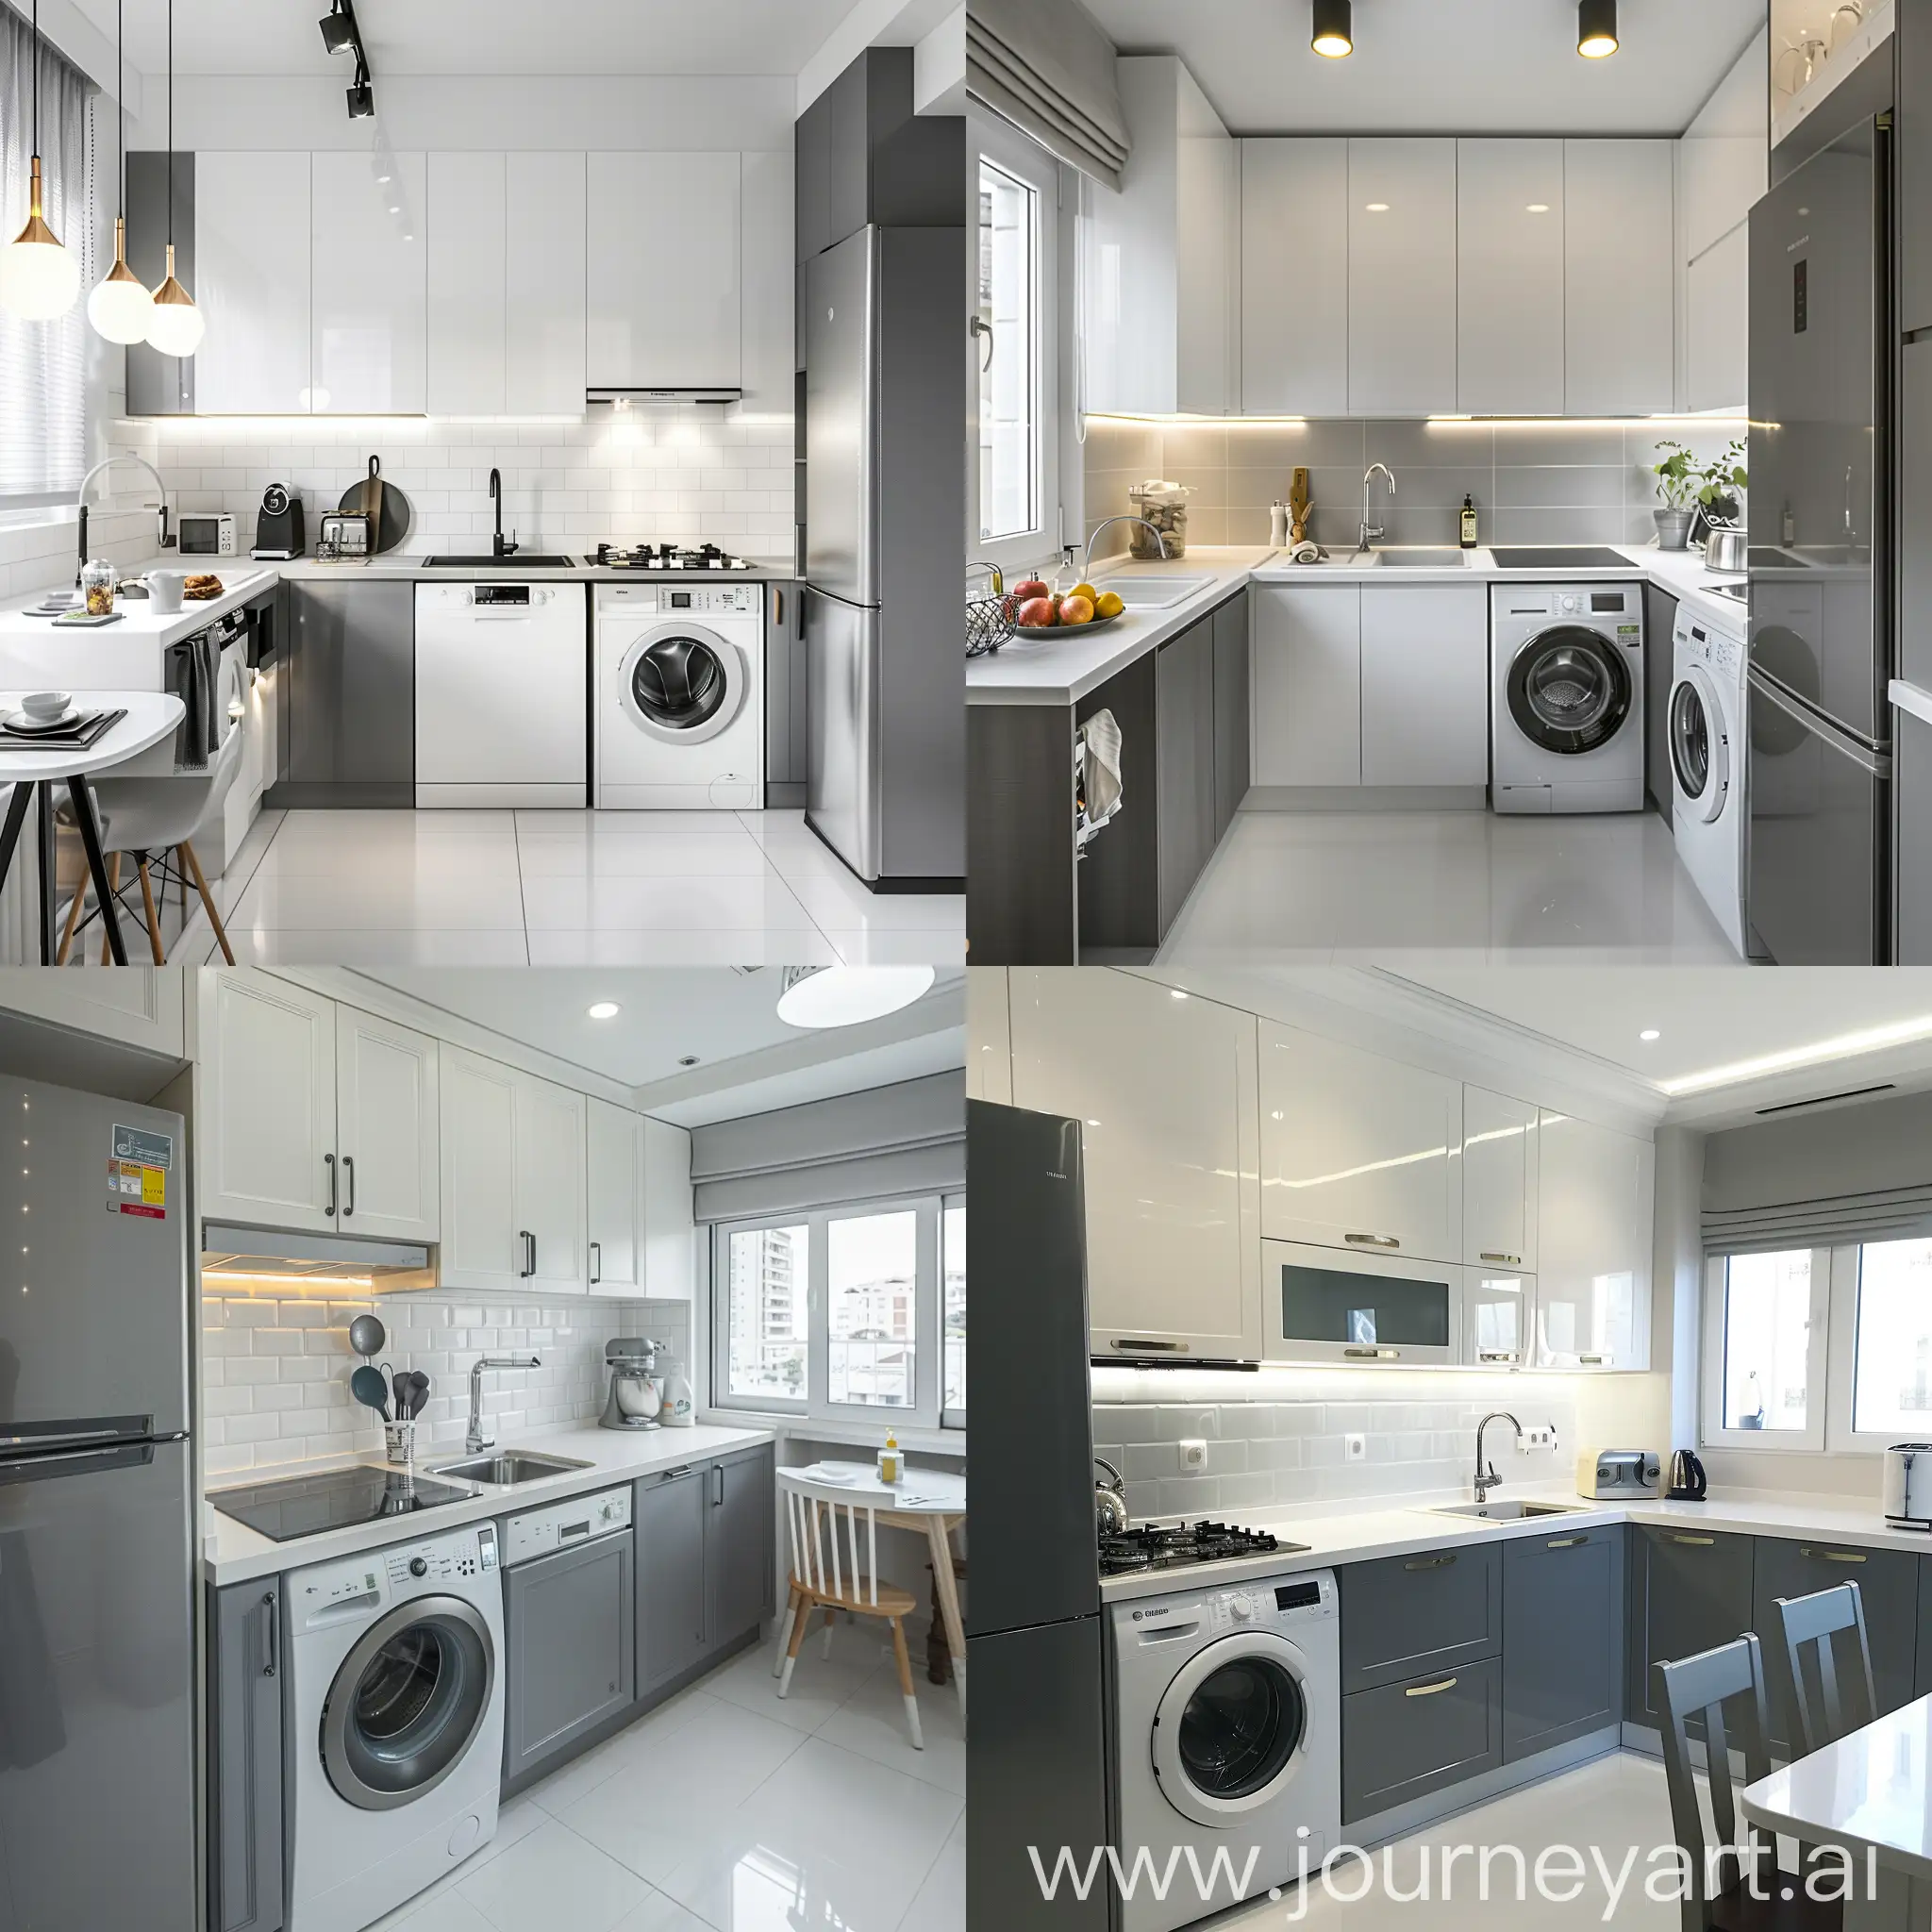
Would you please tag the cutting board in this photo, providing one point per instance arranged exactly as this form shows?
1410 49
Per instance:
1299 506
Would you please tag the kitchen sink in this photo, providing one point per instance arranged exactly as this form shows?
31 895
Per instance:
1152 592
1422 557
489 562
1500 1512
513 1466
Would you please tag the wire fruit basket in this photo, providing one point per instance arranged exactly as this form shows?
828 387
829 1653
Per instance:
988 611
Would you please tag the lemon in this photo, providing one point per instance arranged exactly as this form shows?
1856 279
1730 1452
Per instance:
1109 604
1086 590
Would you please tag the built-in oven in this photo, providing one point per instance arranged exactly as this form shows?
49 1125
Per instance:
1334 1305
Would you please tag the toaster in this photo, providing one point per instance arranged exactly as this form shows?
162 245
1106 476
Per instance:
344 537
1908 1485
1625 1473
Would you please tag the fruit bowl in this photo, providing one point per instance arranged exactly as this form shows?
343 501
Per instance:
1066 630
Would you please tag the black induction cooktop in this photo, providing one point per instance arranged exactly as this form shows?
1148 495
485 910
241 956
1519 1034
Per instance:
1561 557
303 1505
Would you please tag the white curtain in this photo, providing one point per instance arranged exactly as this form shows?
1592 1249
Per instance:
44 364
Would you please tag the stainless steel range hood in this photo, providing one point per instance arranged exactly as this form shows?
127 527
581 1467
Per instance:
258 1254
625 398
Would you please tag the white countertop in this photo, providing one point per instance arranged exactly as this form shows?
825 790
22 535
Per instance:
140 625
408 565
1060 667
1401 1528
233 1553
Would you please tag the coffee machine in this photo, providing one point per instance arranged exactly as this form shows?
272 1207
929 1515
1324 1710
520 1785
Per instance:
634 1394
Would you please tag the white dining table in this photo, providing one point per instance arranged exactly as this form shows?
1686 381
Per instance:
32 771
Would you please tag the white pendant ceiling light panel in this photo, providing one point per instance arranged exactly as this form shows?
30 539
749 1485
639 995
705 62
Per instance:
176 326
120 308
39 278
847 995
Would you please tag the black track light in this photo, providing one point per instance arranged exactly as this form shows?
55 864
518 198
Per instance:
1596 28
338 30
362 97
1334 29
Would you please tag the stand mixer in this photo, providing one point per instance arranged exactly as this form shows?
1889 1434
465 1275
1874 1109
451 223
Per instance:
634 1394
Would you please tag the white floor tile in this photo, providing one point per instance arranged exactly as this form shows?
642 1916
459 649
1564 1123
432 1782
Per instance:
401 822
659 905
485 860
819 1686
871 1722
661 1914
564 824
553 1878
789 947
268 946
444 1911
556 1793
375 898
839 903
940 1904
896 948
651 855
800 855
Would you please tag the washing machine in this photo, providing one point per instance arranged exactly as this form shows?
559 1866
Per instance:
395 1732
1708 737
1228 1729
1566 697
680 714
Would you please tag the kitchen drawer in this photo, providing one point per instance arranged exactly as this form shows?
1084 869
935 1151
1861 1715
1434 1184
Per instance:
1404 1740
1406 1616
1562 1637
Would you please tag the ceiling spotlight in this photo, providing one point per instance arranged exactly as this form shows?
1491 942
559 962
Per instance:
604 1009
846 995
1334 35
687 1059
1596 28
1536 208
1650 1033
362 97
338 30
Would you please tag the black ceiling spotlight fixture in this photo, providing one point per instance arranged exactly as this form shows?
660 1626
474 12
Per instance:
1596 28
362 97
1334 29
338 28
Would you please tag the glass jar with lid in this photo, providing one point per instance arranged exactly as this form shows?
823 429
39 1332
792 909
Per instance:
1164 506
97 580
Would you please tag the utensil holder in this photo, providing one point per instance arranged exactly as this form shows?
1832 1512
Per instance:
399 1443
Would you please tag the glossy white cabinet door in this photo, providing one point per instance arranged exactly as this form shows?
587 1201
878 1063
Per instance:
139 1006
1499 1171
544 306
480 1248
769 308
671 1235
1498 1318
1719 325
988 1041
1164 1091
369 278
468 242
267 1063
1594 1212
1401 276
1509 278
616 1163
1619 278
1206 259
1294 278
387 1128
1306 655
1425 699
251 281
1357 1151
664 275
550 1185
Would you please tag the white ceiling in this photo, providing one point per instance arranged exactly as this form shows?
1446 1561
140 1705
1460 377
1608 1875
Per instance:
1443 66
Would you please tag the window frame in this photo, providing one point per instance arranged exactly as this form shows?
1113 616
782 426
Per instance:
949 1418
1842 1435
1817 1394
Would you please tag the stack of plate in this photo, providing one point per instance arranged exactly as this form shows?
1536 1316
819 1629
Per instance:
55 602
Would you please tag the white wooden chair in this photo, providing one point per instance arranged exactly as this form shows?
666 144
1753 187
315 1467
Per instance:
825 1529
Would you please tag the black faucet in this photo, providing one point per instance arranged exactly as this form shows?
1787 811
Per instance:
498 545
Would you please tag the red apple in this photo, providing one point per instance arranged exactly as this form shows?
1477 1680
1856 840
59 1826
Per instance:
1036 613
1030 589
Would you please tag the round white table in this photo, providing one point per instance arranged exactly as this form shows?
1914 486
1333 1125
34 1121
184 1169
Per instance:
33 771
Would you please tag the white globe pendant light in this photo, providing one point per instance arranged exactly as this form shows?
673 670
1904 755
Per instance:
38 280
845 995
176 326
120 306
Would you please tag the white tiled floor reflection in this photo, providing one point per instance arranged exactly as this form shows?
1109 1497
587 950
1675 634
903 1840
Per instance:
727 1810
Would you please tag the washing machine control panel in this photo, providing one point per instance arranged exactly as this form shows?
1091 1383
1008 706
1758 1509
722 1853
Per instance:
356 1586
1279 1600
701 599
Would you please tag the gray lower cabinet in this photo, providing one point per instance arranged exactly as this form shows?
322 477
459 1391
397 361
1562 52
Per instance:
346 696
1184 759
1403 1740
668 1513
1690 1590
570 1629
787 750
1231 711
1406 1616
739 1537
1562 1637
244 1755
1118 880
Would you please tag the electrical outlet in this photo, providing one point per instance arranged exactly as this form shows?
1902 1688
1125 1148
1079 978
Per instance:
1194 1456
1355 1448
1538 1436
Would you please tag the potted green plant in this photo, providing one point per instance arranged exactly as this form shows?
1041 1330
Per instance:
1677 483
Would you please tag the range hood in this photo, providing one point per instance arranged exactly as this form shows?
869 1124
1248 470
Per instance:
259 1254
625 398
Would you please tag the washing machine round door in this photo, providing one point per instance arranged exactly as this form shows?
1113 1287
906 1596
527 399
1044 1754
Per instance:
407 1702
1230 1730
683 682
1700 746
1569 688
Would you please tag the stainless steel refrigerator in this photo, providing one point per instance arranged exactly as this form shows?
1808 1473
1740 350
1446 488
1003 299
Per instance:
1819 772
885 510
97 1672
1036 1774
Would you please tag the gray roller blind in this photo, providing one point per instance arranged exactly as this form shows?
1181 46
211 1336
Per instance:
1046 66
908 1138
1843 1173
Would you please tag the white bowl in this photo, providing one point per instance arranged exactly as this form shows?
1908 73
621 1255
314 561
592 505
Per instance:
43 706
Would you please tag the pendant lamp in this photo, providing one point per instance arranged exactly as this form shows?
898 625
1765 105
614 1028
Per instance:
38 280
176 325
120 306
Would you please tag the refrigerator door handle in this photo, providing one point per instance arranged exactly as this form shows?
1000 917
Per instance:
111 1455
137 1429
1838 740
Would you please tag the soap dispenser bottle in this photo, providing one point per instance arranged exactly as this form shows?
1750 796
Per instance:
1468 523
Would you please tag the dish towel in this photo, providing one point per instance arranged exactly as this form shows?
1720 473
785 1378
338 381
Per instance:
1097 761
193 668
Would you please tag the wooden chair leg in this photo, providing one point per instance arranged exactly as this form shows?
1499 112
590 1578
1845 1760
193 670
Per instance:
113 886
904 1664
148 904
192 864
799 1626
76 906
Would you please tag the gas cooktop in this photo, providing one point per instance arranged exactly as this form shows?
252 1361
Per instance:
1179 1545
334 1500
666 557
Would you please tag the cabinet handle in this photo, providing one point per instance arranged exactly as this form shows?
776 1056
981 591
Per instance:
1590 1361
349 1168
1496 1355
1833 1555
1507 1261
1701 1542
1565 1542
1372 1354
1139 1342
529 1242
596 1263
328 1160
1373 1240
1429 1690
1440 1562
717 1485
779 599
268 1603
674 1472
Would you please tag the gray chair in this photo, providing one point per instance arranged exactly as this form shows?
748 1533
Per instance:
1817 1620
1719 1898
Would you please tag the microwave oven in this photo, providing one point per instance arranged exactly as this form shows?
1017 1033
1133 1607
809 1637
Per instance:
203 533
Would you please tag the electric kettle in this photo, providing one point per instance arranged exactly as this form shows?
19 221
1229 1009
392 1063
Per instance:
1688 1483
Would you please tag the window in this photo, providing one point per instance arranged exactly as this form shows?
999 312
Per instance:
1891 1349
1766 1347
842 1312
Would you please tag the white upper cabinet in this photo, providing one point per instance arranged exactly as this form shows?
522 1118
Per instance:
1498 1318
1499 1174
1161 257
368 326
616 1191
665 276
252 282
1619 278
1509 278
1294 278
139 1006
1594 1196
1163 1088
1718 325
671 1235
766 359
552 1209
387 1128
1358 1151
480 1243
1401 276
544 301
467 242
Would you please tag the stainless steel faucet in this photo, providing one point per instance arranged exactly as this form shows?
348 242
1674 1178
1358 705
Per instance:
1487 1479
1369 531
1087 562
477 1440
123 455
499 546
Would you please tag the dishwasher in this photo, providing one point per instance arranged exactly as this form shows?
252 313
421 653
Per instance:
569 1626
502 694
